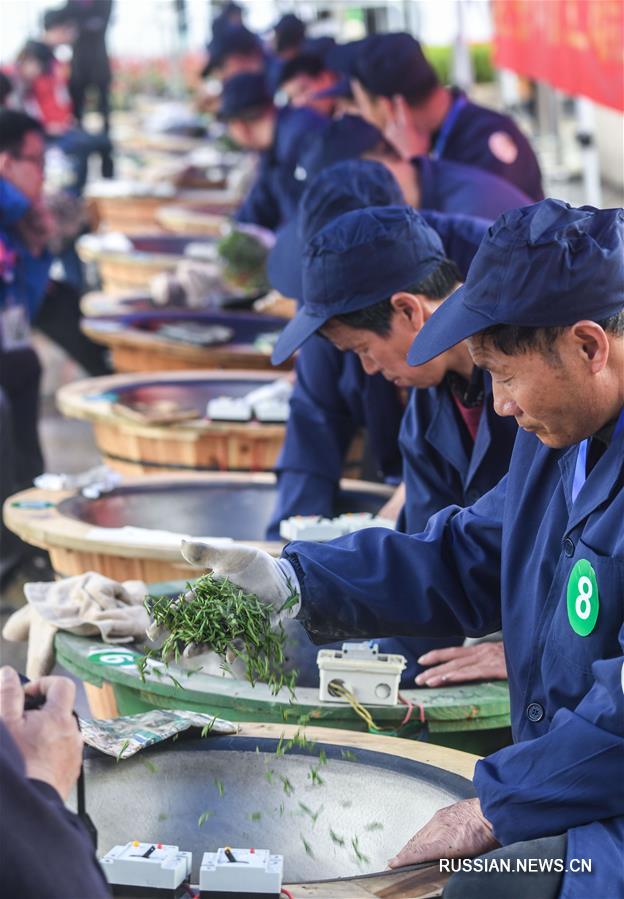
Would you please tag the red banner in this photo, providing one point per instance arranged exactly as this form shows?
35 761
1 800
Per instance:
576 46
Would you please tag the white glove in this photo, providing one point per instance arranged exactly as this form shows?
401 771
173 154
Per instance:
272 580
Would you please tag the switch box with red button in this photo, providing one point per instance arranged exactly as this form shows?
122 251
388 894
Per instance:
236 873
147 865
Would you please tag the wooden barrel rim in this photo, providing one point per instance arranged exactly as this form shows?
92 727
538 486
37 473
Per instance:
71 402
446 706
133 338
47 527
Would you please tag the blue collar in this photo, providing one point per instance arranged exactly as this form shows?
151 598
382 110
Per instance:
447 126
580 469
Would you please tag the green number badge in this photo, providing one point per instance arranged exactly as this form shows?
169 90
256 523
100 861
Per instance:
583 599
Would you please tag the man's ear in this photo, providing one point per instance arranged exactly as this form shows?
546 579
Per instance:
410 309
591 343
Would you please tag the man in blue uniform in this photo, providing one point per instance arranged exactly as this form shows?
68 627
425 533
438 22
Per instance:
449 186
332 389
454 447
398 90
234 49
543 552
280 136
46 850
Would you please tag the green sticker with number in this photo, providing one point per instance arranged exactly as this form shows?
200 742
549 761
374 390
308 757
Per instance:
583 599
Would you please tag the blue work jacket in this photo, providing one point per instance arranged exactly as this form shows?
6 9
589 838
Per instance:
274 195
25 279
460 235
332 399
490 140
442 466
508 561
451 187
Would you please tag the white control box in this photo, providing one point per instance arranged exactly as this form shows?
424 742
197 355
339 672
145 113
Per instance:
272 410
309 527
357 521
241 871
372 677
313 527
147 865
227 408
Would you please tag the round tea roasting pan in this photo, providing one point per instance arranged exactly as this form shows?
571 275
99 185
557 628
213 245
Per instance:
379 795
136 345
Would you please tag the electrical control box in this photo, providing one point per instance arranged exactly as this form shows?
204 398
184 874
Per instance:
357 521
309 527
272 410
312 527
372 677
138 864
241 872
226 408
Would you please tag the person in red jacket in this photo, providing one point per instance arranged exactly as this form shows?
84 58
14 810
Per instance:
41 91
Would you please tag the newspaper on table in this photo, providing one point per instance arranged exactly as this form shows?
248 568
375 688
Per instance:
124 737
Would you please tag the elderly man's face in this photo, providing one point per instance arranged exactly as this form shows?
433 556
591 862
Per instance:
550 392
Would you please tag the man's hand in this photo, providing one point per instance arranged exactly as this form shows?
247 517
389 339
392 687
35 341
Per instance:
36 227
405 137
48 737
461 664
254 570
392 509
457 831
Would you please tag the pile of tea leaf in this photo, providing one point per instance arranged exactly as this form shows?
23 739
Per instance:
215 613
244 257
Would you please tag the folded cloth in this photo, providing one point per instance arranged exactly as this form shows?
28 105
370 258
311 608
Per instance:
196 284
88 605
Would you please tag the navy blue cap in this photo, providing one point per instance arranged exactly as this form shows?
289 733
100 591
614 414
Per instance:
349 185
289 32
319 46
389 64
242 93
229 40
345 138
342 88
357 260
341 58
545 265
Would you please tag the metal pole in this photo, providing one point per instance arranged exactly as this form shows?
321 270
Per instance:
585 135
463 75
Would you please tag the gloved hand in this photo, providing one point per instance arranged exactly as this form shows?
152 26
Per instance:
273 581
253 570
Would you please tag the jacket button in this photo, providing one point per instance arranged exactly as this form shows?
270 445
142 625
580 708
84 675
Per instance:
568 547
535 712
